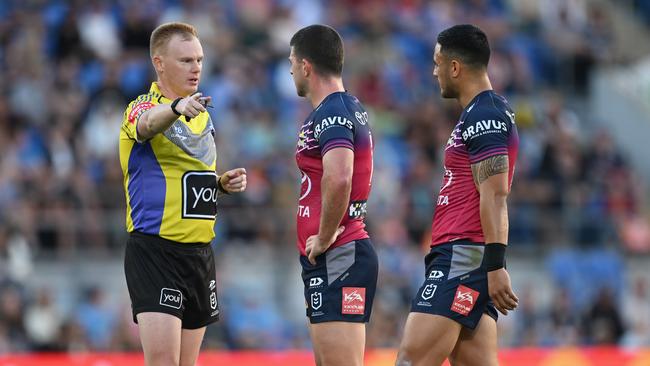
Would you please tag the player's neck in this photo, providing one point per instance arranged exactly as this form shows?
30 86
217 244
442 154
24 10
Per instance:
321 88
474 88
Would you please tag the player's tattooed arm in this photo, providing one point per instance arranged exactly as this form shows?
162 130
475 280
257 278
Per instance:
491 166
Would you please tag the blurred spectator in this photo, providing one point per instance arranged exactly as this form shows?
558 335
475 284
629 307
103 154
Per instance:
636 311
43 322
67 68
96 319
12 327
603 324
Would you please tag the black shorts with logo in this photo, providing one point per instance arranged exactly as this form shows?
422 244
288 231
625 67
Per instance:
455 284
341 286
173 278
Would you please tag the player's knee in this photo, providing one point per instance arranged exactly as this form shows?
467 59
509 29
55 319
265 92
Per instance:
161 357
335 359
403 357
472 360
188 362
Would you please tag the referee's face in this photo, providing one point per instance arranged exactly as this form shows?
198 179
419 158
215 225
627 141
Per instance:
297 74
181 64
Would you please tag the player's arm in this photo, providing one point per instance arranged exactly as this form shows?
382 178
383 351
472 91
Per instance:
336 186
158 119
491 179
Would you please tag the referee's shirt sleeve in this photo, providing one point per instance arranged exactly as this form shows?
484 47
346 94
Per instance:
131 116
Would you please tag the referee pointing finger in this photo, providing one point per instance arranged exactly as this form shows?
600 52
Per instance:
169 160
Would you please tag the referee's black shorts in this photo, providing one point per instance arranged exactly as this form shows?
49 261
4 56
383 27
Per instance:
164 276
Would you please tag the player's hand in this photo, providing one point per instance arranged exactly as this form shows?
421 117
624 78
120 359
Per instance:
233 180
500 291
193 105
315 246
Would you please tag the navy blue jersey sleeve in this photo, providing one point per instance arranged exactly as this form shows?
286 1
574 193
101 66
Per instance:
486 133
334 127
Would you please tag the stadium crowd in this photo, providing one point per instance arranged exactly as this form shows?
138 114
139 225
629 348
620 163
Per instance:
68 69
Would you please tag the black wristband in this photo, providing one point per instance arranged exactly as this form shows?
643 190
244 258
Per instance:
220 187
494 256
173 105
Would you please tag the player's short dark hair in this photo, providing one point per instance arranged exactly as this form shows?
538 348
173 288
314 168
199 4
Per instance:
322 46
466 42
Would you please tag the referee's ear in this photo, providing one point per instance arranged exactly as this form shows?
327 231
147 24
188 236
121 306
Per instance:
156 60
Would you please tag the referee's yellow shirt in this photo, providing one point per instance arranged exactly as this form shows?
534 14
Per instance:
170 179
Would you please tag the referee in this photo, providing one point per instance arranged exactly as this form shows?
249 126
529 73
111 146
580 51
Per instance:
168 157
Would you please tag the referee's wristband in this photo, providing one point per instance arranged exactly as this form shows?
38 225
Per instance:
174 104
494 256
220 187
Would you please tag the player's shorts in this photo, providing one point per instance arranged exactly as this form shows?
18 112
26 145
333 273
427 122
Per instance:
173 278
341 286
455 284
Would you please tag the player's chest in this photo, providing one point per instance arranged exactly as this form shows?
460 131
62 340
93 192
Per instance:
307 144
455 149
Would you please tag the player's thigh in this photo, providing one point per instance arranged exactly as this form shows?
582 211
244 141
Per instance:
428 339
160 335
477 347
191 340
338 343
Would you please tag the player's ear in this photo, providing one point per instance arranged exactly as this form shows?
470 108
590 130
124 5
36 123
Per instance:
307 67
455 68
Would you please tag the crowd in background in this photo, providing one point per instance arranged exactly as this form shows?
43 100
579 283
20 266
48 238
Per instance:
69 68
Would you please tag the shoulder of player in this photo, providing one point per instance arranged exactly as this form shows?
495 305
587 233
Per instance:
485 112
332 109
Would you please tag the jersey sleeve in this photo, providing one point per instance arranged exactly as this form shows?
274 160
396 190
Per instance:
334 128
486 133
132 114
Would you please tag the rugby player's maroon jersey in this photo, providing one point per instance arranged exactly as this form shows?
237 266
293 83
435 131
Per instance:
340 121
486 128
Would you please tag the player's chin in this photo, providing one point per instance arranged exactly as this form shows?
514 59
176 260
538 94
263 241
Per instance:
301 92
446 93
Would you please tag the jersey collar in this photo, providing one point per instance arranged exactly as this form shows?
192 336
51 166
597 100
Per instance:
155 89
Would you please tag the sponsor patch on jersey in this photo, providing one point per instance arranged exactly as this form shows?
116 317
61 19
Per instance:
200 195
353 300
138 109
357 210
483 127
329 122
464 300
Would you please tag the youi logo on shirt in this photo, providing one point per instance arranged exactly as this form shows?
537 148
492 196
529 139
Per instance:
200 195
483 127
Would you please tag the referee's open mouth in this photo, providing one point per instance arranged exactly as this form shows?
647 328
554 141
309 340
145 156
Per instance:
194 81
